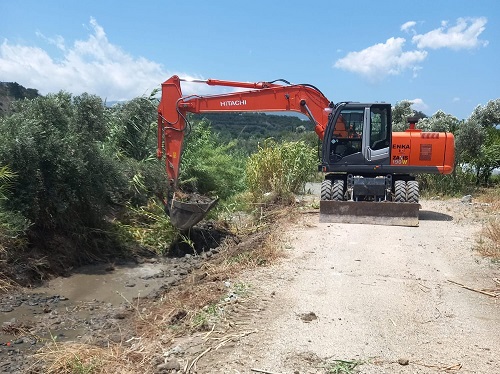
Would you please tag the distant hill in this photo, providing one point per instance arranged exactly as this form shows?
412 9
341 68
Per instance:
11 91
247 125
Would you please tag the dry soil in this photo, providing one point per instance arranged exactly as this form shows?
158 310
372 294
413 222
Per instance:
381 296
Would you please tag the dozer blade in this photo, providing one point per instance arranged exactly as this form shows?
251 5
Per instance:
184 215
375 213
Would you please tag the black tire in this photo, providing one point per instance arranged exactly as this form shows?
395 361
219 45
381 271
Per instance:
412 192
400 191
326 189
338 190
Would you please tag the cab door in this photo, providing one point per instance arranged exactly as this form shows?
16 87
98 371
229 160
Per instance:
346 137
377 134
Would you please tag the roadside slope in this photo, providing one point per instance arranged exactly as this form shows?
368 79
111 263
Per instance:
372 293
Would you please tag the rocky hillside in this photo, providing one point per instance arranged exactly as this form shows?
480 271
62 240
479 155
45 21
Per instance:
11 91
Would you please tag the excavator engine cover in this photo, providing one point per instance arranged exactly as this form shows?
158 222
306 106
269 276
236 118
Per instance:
375 213
184 215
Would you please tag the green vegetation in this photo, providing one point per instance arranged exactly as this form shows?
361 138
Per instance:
343 367
210 166
280 169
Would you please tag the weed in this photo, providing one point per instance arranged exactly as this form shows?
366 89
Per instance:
187 240
206 315
343 367
148 225
241 288
78 367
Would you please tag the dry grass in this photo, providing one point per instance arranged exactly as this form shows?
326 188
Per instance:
489 244
491 197
181 311
73 358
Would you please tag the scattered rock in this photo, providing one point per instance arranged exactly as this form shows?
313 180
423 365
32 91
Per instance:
467 199
308 317
6 308
403 361
170 365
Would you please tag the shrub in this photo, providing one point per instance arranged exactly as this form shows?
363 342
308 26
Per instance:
281 169
13 225
53 145
209 167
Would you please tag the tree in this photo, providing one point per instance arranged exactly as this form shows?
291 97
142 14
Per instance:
400 113
488 115
440 122
478 141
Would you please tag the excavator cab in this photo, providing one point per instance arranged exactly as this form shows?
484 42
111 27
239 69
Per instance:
358 134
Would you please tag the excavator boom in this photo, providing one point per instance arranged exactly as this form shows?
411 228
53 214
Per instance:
253 97
258 97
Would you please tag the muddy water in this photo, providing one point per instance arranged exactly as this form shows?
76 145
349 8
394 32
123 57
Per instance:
115 285
87 305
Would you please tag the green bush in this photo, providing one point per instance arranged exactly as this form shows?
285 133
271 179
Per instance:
281 169
133 127
209 167
53 144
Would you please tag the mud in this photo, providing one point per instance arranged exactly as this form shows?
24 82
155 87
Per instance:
94 303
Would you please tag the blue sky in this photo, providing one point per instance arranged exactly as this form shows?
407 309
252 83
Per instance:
440 54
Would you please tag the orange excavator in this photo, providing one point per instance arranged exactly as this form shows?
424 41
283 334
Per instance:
369 170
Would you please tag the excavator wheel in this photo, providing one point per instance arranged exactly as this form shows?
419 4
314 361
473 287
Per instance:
326 189
400 191
412 192
338 190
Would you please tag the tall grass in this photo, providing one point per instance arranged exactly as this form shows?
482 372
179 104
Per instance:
281 169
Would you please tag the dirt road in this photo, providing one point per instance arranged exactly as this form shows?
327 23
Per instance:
377 295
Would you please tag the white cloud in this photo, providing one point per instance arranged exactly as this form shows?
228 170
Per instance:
408 26
463 35
419 104
381 60
58 41
94 65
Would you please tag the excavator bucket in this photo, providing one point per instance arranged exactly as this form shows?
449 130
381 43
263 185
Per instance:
375 213
184 215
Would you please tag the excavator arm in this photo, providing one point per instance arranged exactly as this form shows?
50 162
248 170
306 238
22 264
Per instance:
251 97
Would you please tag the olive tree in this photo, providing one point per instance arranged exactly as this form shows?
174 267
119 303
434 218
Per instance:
440 122
478 141
400 113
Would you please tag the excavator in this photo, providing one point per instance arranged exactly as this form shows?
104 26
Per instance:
369 171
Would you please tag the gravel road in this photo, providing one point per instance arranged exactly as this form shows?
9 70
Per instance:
380 295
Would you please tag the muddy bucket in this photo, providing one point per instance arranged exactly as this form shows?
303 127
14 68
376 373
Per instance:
186 214
375 213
